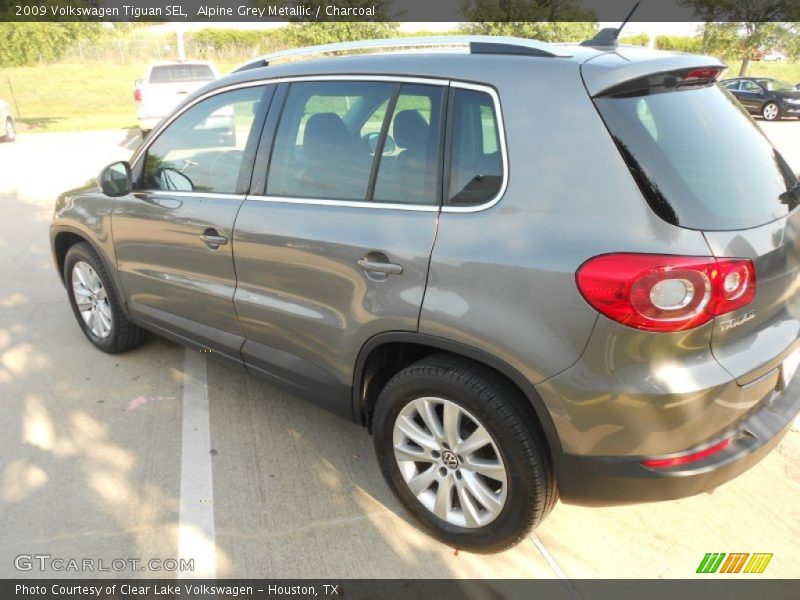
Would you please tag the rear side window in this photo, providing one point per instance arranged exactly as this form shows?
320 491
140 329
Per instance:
476 162
700 161
176 73
361 141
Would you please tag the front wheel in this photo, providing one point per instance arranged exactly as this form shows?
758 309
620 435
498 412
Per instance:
95 302
771 111
462 454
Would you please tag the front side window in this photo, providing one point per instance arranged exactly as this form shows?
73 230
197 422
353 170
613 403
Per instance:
476 162
202 150
335 138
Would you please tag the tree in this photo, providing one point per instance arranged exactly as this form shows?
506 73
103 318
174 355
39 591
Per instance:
741 28
546 20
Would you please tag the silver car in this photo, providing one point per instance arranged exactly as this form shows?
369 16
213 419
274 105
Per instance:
531 271
8 131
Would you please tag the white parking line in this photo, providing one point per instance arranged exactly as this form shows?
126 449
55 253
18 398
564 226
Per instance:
550 559
196 538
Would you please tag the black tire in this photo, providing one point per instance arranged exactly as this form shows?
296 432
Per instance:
124 335
765 112
531 488
9 131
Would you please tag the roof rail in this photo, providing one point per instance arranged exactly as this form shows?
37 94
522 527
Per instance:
475 44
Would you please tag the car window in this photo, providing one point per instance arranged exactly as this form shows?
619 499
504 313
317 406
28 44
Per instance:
775 85
175 73
732 85
202 150
410 161
750 86
701 162
476 162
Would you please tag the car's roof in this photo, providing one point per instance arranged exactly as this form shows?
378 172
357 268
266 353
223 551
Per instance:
609 65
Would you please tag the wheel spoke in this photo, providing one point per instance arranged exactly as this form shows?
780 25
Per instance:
444 498
422 481
79 288
482 493
452 422
488 468
471 512
405 453
82 276
479 438
415 433
425 409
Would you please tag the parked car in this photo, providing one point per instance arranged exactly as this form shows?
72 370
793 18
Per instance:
774 57
588 299
8 131
773 99
165 85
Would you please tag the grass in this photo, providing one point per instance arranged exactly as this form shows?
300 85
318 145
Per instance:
788 71
84 96
74 97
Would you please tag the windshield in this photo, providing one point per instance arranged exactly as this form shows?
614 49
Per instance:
775 85
701 162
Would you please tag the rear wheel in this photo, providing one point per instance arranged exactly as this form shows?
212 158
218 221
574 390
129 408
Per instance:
95 302
461 455
771 111
9 131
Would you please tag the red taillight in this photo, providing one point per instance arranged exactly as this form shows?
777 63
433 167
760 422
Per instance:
665 293
137 95
707 74
661 463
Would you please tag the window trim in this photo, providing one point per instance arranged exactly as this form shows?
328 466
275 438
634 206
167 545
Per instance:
400 79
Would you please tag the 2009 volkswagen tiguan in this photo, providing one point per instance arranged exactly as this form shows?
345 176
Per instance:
530 270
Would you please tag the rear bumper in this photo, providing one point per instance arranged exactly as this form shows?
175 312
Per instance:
608 481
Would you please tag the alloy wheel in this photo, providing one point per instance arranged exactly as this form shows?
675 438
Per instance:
450 462
91 299
771 111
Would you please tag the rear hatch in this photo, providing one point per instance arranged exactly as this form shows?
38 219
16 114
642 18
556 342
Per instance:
703 163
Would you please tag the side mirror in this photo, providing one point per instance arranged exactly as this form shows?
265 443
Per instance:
116 179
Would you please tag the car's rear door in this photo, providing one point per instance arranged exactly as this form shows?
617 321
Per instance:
173 233
333 246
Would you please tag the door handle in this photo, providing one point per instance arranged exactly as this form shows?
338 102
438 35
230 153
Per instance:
374 266
213 239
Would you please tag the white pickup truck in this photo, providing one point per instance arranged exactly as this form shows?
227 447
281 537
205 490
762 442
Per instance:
164 85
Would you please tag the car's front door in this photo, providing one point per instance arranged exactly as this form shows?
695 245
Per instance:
173 233
335 246
751 95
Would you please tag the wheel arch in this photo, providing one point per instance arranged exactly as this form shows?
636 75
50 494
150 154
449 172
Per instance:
403 348
64 238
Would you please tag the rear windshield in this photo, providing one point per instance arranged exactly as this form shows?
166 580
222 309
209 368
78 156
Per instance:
170 73
700 160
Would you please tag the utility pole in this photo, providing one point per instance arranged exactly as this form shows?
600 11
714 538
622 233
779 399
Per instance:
181 49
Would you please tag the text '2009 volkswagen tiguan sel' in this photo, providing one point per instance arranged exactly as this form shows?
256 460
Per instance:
531 270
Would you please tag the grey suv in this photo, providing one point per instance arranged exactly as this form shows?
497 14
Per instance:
529 270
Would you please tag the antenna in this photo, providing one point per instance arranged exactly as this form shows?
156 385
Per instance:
609 36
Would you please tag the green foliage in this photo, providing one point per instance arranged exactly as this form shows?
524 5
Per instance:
545 20
310 34
640 39
680 43
233 42
26 43
546 32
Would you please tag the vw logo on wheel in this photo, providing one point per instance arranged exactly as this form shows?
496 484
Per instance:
449 459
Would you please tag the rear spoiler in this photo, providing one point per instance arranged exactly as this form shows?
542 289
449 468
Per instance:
604 72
